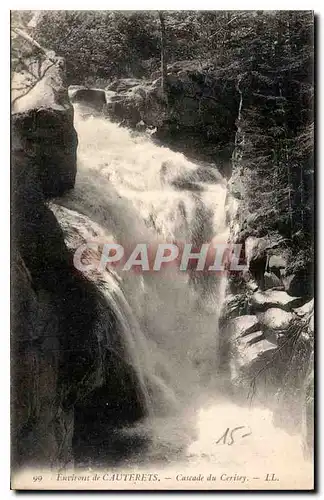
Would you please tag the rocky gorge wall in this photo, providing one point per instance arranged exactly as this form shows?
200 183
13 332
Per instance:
62 326
267 337
267 324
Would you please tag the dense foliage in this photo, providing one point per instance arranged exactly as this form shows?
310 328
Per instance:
100 44
274 152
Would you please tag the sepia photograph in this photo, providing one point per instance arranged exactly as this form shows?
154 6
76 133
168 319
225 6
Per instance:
162 250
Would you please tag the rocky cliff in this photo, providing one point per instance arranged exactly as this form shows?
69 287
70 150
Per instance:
267 343
63 328
267 324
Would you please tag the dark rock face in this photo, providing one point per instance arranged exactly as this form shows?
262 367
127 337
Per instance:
95 98
135 101
39 266
42 117
49 137
35 359
301 282
64 332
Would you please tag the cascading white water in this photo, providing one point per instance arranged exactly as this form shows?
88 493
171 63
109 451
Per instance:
139 192
128 186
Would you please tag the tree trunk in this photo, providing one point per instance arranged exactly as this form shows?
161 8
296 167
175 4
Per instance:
164 73
29 39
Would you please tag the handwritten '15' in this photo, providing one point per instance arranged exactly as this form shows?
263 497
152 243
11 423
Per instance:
230 434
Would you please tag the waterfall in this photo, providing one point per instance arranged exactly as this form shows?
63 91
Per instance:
130 190
129 187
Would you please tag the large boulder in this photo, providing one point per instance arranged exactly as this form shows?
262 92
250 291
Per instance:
140 102
42 118
244 325
300 282
276 319
275 323
94 98
260 301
